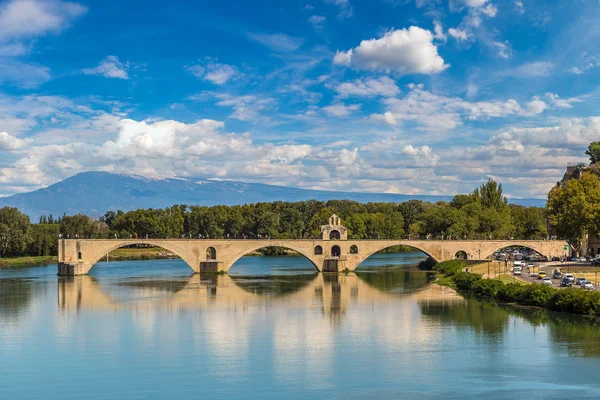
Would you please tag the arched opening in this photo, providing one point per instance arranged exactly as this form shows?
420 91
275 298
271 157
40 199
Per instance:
140 259
336 251
461 255
334 235
395 257
353 249
211 254
318 250
273 261
516 253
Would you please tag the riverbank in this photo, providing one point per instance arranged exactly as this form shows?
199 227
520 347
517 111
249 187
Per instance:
570 300
27 261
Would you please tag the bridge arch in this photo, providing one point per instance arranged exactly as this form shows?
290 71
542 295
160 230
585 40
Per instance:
313 258
533 245
374 248
95 253
461 255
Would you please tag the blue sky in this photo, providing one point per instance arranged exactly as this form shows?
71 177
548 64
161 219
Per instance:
395 96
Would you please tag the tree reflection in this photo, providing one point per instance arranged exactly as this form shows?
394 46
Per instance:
15 296
273 285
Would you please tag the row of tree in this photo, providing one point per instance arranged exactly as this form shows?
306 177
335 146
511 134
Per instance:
483 214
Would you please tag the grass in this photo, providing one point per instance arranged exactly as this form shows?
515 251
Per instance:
27 261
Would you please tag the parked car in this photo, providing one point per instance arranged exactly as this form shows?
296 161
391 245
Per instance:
581 259
587 285
555 258
565 282
579 280
596 261
547 281
570 277
556 275
542 275
544 259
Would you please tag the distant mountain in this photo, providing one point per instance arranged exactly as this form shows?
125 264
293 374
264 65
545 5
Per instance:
94 193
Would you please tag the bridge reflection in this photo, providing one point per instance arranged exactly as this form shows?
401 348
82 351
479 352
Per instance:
332 293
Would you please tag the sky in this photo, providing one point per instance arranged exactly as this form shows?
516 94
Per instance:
396 96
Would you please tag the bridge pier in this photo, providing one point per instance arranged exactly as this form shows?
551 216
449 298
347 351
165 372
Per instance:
67 269
212 267
335 265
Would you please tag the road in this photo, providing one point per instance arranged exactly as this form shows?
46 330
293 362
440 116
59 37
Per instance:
549 269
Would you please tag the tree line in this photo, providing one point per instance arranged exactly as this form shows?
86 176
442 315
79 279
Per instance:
482 214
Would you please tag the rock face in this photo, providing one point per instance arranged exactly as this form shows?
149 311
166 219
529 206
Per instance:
94 193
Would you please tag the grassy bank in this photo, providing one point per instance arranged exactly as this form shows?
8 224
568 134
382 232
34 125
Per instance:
571 300
27 261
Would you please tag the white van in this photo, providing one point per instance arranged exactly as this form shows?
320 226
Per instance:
517 270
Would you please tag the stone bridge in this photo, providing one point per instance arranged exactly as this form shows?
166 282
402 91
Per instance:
78 256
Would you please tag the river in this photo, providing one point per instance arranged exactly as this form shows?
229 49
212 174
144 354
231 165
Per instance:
274 328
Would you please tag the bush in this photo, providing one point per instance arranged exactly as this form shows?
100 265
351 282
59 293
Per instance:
465 280
486 288
536 295
450 267
576 301
510 292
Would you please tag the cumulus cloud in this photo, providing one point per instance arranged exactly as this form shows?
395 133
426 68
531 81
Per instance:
214 72
340 109
387 118
423 155
368 87
440 113
9 142
245 107
110 67
21 19
404 51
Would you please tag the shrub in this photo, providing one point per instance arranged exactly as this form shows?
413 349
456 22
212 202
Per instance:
450 267
536 295
486 288
465 280
576 301
510 292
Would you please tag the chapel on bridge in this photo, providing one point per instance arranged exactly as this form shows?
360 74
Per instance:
334 230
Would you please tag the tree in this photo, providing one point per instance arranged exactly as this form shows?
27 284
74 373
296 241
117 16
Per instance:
490 194
593 152
14 228
573 209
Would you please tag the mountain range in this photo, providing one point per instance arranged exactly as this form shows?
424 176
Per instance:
94 193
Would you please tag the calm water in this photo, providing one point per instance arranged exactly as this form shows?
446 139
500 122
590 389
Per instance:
275 329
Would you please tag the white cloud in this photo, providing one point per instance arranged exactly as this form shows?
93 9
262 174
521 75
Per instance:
557 102
405 51
245 107
214 72
369 87
519 7
589 62
532 69
475 3
110 67
345 9
317 21
440 113
13 49
9 142
438 31
340 110
503 49
423 156
278 42
386 117
458 34
30 18
17 73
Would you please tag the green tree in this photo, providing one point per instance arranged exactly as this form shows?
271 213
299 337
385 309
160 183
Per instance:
573 208
14 228
593 152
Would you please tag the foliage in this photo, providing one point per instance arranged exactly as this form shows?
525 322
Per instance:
574 208
14 229
450 267
593 152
